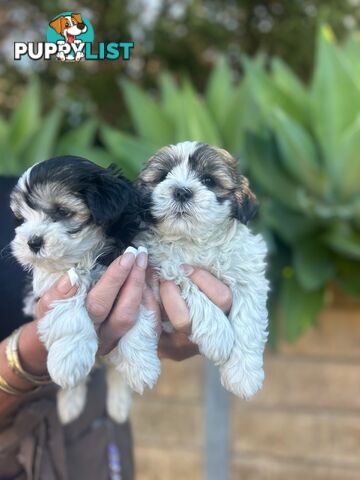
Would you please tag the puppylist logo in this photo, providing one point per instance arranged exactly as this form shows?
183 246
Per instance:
70 37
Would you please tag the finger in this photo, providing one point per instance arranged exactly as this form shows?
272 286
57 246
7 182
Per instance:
101 298
126 307
219 293
176 346
152 279
175 306
61 290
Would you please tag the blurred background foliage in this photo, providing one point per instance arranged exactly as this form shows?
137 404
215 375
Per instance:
253 77
182 36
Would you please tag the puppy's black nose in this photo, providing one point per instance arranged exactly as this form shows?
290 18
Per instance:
81 26
182 194
35 243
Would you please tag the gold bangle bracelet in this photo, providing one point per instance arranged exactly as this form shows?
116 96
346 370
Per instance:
13 360
6 388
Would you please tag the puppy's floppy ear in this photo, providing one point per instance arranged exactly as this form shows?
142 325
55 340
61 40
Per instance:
107 196
245 204
77 17
57 25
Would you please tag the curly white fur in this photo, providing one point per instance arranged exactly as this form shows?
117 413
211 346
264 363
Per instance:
202 232
235 342
136 355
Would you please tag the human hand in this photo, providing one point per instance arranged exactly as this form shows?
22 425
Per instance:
113 303
176 345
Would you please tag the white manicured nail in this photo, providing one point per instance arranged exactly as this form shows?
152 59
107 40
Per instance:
128 257
142 250
142 257
131 250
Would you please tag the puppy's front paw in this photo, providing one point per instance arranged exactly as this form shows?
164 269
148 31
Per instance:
214 344
71 340
71 402
79 56
211 329
69 362
118 400
136 356
61 56
240 378
140 373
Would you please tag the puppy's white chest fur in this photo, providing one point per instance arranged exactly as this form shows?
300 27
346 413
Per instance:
231 256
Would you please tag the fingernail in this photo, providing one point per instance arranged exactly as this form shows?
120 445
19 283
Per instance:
128 257
131 250
64 284
142 257
186 269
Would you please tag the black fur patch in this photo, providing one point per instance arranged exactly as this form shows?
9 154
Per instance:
112 199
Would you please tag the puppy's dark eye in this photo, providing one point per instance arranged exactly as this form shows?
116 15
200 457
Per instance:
67 24
162 175
60 213
208 181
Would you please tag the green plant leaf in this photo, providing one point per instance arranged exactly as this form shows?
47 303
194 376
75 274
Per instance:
313 264
335 94
129 152
268 95
242 114
149 119
292 88
289 225
348 182
82 136
220 91
345 241
25 120
42 146
194 119
4 130
261 157
299 154
170 96
350 49
300 307
9 163
94 154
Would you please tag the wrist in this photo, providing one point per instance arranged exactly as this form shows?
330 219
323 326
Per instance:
32 352
31 356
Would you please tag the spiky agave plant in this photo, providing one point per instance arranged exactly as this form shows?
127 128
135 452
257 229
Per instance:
300 146
176 112
30 135
304 156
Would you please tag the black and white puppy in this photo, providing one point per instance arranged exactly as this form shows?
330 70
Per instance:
73 216
199 209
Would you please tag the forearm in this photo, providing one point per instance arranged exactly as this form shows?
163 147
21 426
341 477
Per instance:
33 355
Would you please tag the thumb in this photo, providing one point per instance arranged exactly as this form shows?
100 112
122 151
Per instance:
61 290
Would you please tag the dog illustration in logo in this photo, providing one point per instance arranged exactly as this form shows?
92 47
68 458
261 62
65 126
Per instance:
69 26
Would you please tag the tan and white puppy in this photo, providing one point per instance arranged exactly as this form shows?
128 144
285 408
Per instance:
69 26
199 206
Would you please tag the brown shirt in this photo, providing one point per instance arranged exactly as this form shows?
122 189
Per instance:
35 446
